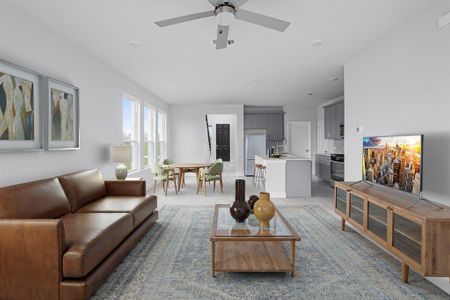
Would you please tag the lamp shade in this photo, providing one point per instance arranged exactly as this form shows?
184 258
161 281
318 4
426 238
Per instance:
121 154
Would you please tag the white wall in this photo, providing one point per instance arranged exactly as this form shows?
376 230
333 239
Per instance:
401 85
213 120
303 113
31 45
188 138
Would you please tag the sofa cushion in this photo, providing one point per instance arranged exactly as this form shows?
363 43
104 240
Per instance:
43 199
90 238
83 187
139 207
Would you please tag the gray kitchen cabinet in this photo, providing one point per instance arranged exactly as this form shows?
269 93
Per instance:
339 120
334 119
275 128
323 170
262 120
273 123
250 121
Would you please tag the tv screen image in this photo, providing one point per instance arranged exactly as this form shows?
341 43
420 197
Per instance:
394 161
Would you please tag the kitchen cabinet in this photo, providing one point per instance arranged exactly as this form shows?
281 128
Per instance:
323 170
275 128
273 123
334 121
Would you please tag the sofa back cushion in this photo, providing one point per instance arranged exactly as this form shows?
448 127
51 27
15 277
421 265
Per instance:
43 199
83 187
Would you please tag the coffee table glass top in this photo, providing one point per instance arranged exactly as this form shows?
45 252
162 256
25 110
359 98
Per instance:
226 226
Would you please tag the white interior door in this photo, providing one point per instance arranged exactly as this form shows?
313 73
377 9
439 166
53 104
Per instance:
299 138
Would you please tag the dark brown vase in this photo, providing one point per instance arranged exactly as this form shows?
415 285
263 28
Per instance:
240 210
251 201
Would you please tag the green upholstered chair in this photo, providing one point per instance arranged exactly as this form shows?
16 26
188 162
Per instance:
213 173
168 161
164 176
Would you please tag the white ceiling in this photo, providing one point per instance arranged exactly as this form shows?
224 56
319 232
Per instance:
180 63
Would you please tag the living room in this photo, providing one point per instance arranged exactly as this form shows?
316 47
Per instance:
148 99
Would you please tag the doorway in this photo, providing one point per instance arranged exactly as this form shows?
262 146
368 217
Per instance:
299 138
223 141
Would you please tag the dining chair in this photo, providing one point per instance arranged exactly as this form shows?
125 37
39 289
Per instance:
213 174
164 176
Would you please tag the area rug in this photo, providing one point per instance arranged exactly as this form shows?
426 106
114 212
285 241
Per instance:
173 261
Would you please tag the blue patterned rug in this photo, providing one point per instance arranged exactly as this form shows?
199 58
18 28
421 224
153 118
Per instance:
173 261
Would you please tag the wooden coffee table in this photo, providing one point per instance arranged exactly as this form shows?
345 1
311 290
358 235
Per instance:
245 247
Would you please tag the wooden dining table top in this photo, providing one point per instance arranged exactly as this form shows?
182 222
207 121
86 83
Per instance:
189 165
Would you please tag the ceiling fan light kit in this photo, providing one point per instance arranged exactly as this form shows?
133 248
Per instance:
225 13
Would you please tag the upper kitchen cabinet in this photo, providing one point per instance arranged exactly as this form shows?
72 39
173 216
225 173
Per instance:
250 121
273 123
334 121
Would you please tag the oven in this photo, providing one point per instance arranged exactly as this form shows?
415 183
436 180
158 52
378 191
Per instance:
337 167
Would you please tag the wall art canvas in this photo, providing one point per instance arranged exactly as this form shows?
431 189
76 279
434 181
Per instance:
20 109
63 116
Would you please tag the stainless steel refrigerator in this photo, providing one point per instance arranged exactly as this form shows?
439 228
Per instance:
254 145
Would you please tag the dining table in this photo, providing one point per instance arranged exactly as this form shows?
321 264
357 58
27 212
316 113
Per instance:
188 167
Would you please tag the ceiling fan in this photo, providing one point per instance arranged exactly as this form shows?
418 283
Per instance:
225 12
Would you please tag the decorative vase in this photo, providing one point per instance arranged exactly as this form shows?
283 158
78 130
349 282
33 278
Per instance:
240 210
264 210
251 202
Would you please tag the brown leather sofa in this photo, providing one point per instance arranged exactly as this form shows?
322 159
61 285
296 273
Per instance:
60 238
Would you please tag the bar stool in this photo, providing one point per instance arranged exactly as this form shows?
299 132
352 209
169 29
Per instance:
260 174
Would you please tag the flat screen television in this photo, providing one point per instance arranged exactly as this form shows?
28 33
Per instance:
394 161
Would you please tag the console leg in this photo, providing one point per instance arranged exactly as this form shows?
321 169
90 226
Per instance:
342 224
405 273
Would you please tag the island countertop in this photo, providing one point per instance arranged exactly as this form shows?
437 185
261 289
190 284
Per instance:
283 157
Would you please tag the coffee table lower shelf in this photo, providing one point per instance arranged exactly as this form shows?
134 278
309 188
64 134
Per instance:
252 256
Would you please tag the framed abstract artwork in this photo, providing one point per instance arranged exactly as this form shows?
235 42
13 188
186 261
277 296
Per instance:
21 120
62 105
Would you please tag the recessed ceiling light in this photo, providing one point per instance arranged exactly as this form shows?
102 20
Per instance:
136 44
333 79
316 43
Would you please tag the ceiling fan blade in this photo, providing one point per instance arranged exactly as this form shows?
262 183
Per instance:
238 3
216 2
186 18
222 37
262 20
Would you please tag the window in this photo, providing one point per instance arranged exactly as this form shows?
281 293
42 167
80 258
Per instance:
130 119
144 128
149 135
162 136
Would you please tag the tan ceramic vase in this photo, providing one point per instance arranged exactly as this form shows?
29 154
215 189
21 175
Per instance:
264 210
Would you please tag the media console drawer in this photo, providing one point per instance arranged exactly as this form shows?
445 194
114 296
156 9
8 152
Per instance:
418 236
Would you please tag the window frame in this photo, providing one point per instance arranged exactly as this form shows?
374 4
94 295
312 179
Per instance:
135 165
152 139
160 158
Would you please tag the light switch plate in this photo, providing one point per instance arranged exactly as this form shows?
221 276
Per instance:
444 20
359 129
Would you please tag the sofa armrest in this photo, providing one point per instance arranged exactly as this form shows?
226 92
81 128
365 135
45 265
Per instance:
126 188
30 258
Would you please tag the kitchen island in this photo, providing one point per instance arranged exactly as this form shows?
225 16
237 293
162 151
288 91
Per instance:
289 176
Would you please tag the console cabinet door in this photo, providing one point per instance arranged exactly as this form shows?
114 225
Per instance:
377 222
356 211
407 237
340 201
